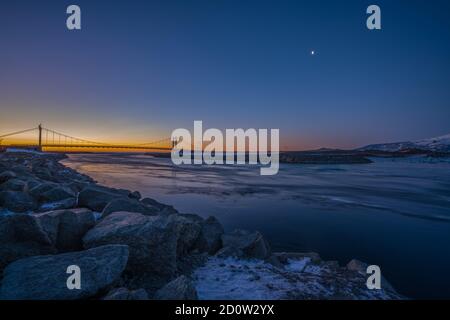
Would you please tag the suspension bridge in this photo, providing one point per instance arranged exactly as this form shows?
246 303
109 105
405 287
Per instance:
43 139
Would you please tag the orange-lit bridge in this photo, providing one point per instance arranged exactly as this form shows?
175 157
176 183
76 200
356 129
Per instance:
49 140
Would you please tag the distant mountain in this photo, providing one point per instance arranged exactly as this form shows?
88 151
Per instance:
438 144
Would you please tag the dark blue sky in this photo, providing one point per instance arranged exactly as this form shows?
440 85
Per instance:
139 69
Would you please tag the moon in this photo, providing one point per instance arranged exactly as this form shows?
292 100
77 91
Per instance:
313 52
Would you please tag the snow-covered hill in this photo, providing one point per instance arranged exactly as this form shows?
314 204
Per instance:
441 144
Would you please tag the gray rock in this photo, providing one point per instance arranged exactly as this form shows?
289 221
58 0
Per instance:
77 186
188 233
22 227
273 260
226 252
39 189
32 183
45 277
125 294
163 208
13 185
20 169
128 205
96 198
179 289
152 241
66 228
192 216
22 236
358 266
187 264
58 205
7 175
210 239
57 194
17 201
251 244
122 192
43 173
135 195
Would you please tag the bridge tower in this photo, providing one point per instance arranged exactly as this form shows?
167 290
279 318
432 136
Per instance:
174 142
40 137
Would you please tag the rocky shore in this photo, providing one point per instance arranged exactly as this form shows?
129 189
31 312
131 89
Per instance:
133 248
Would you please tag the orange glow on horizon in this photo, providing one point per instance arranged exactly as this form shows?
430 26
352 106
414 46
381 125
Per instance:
31 139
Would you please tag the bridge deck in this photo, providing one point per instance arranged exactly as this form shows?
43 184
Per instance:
81 146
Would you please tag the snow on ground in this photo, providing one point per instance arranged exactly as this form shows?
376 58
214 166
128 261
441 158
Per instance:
231 279
297 265
236 279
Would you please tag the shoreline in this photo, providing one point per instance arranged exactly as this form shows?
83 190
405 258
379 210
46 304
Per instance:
164 254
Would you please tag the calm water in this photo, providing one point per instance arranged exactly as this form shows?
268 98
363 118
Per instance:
393 213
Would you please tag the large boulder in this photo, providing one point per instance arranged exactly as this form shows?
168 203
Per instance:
17 201
41 188
13 185
188 232
96 198
128 205
179 289
243 243
31 183
21 169
66 228
45 277
77 186
152 241
7 175
21 236
57 193
210 239
358 266
44 173
125 294
135 195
